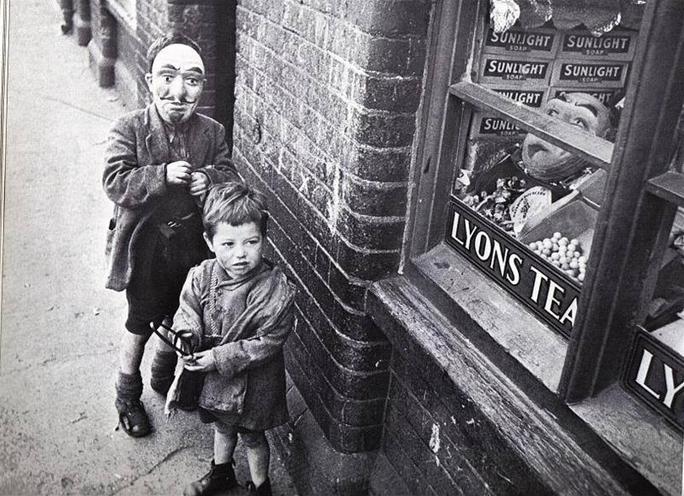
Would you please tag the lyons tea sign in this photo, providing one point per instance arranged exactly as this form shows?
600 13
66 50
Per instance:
548 293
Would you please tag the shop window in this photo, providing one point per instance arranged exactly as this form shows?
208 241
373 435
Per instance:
546 162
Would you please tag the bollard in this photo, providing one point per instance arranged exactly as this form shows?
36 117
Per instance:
67 7
82 23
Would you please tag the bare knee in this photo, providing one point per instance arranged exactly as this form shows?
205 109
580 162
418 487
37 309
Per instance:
132 343
225 429
254 439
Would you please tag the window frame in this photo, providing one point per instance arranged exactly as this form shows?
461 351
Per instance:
600 341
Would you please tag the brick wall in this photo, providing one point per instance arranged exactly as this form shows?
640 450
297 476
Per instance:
326 100
440 442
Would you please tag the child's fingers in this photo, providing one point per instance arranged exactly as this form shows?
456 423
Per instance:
195 367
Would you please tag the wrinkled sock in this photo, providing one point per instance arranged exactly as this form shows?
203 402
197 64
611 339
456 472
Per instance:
163 368
128 386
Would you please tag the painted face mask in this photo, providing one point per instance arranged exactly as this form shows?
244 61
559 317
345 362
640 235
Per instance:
176 82
548 162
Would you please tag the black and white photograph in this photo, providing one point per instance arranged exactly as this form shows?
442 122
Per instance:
342 247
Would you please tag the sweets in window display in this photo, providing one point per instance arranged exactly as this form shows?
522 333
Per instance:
535 189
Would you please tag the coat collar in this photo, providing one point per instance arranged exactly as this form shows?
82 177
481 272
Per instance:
157 143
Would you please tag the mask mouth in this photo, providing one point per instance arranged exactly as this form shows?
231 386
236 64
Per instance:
174 101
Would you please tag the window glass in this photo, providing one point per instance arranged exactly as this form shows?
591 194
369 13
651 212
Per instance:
523 209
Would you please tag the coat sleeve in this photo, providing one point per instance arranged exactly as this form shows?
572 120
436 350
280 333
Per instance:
126 182
189 314
238 356
222 170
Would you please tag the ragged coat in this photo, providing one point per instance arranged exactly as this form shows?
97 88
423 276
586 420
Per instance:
135 180
245 323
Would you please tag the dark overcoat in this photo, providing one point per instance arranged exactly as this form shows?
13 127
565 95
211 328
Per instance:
245 323
135 180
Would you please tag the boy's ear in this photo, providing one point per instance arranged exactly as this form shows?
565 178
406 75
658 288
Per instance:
207 240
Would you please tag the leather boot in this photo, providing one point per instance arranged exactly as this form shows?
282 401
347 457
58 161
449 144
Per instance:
219 478
263 490
132 416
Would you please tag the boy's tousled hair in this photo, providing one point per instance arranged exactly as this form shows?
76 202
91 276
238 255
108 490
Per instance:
236 204
169 39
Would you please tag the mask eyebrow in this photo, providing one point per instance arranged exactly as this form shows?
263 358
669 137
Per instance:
169 67
195 69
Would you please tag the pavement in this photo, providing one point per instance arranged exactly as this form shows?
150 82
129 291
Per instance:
60 328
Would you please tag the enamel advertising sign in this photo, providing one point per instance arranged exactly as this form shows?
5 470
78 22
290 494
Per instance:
548 293
655 374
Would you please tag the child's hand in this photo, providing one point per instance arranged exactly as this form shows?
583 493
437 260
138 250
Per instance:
178 172
202 361
199 183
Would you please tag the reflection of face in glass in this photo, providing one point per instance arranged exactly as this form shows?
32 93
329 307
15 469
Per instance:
176 82
548 162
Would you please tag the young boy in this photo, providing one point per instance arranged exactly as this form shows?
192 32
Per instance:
238 308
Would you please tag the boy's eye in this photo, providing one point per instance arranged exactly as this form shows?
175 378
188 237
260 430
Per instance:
552 112
227 243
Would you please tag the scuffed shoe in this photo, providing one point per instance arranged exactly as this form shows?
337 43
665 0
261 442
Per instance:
219 478
263 490
133 418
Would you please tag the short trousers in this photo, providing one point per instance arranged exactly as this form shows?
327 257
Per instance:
154 290
151 302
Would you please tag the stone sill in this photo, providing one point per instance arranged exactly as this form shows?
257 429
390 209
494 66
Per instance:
513 352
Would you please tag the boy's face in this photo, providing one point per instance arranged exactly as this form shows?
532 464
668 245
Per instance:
176 82
238 249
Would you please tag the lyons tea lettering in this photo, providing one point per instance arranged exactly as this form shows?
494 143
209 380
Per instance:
527 277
